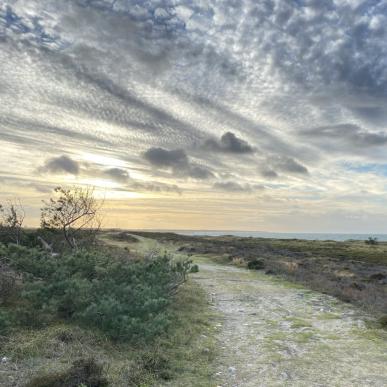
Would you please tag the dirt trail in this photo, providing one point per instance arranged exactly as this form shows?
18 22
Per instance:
273 333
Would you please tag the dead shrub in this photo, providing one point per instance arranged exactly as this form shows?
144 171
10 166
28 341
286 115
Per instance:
148 367
237 261
83 372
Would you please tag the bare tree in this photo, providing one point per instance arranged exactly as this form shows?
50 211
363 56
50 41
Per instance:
12 217
74 212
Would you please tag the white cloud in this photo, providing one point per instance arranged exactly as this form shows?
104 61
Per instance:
116 78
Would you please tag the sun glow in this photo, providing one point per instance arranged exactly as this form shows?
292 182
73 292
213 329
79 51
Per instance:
103 160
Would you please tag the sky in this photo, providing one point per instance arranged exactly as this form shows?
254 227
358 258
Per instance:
221 114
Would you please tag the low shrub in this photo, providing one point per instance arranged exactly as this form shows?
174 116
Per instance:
124 237
383 321
7 284
6 320
237 261
149 366
83 372
194 269
125 298
256 265
155 363
371 241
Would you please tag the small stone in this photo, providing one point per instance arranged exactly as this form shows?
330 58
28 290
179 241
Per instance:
232 370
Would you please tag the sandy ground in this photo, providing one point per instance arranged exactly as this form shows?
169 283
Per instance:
273 333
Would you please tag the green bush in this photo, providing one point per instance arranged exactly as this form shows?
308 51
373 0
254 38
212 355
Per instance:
371 241
5 322
7 285
256 264
383 321
125 298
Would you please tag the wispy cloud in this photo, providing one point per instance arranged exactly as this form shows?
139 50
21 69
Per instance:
196 98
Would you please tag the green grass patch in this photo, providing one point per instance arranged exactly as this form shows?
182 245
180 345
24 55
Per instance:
303 337
299 323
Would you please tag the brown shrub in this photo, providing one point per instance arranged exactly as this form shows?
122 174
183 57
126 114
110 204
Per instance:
83 372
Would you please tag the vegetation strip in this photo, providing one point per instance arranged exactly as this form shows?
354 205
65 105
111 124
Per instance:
78 309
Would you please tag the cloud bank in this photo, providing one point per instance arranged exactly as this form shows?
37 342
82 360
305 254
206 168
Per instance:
196 98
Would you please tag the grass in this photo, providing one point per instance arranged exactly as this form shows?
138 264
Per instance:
192 348
236 246
352 271
299 323
182 356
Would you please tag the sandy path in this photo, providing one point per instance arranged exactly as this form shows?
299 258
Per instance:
276 334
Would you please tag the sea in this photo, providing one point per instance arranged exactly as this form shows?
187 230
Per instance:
281 235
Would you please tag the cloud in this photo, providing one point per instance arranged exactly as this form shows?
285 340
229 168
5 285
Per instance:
177 160
61 164
229 143
198 87
345 136
287 165
161 158
232 186
268 173
199 172
117 174
154 186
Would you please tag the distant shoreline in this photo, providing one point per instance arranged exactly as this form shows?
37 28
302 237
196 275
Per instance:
276 235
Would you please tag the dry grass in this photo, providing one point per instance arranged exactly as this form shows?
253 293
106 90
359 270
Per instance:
353 271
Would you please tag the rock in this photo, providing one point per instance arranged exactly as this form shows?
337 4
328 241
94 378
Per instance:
232 370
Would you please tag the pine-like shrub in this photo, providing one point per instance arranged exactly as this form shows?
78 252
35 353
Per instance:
5 322
125 298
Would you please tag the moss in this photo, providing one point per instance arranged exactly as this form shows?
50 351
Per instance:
299 323
328 316
276 336
303 337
